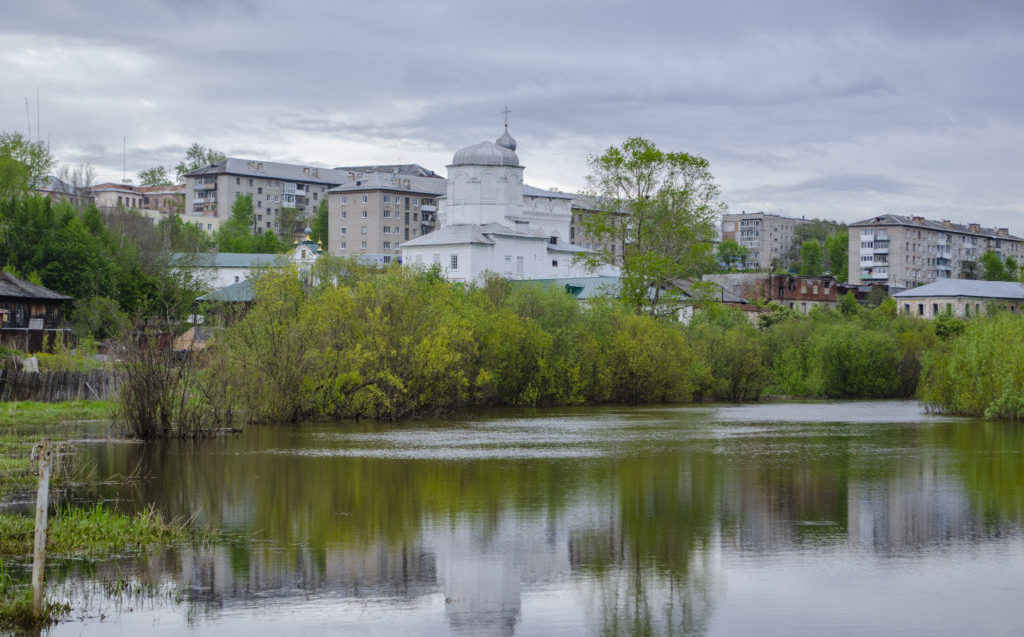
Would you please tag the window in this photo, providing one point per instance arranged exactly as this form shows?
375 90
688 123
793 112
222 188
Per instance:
344 200
387 214
364 214
406 234
519 265
414 231
406 203
387 198
343 246
508 263
387 245
407 218
250 182
437 257
236 278
259 217
323 188
259 191
238 180
259 204
209 226
362 244
344 214
362 230
387 229
387 259
554 263
364 199
455 261
344 231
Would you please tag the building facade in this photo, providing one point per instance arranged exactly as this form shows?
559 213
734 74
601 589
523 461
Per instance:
489 221
276 189
767 237
372 213
906 252
960 298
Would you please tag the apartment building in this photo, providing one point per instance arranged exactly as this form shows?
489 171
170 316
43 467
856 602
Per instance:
909 251
768 237
374 210
582 206
211 191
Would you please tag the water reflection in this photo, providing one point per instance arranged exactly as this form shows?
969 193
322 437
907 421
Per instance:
619 522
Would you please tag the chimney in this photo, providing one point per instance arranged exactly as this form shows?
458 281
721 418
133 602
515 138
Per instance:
1003 232
947 223
974 227
918 219
259 166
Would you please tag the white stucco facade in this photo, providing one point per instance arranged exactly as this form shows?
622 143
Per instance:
491 222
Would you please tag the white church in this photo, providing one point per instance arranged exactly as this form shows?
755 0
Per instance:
491 222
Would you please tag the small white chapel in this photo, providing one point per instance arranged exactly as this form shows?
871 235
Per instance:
489 221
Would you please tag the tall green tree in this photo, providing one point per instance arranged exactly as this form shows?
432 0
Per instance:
732 254
837 248
994 269
197 156
320 223
155 176
34 157
237 233
661 209
811 258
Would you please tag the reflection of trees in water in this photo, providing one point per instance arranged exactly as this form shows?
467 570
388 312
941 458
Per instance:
644 548
649 564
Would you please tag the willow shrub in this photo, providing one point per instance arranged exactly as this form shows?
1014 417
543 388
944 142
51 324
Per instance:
979 373
866 354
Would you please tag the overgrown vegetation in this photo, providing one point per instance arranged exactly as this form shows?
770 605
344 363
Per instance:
400 343
90 532
980 372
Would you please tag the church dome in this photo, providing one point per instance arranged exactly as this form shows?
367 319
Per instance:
506 140
486 154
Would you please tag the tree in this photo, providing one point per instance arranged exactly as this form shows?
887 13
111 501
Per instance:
811 258
993 268
837 247
197 156
732 254
320 223
34 156
155 176
662 209
237 233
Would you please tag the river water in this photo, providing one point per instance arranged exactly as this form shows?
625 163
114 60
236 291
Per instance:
854 518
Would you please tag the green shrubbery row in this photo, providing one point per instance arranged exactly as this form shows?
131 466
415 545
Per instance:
404 343
981 372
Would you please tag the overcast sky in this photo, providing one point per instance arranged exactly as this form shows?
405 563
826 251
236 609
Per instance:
839 110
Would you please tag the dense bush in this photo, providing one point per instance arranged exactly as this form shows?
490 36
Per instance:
981 372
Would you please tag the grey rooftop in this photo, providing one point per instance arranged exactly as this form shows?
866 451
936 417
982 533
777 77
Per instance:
964 287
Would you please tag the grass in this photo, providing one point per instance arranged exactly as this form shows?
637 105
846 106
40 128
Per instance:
95 532
19 431
27 413
80 532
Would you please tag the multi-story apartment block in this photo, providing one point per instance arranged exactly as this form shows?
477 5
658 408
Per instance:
582 206
767 237
909 251
211 191
372 213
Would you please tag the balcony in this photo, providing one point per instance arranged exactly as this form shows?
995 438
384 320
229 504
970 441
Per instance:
426 208
204 186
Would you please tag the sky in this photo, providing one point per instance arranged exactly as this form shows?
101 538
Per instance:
830 109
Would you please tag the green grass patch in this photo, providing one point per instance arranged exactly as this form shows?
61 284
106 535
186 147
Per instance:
26 413
20 424
97 532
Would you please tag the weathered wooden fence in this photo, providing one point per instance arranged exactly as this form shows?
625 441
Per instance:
50 387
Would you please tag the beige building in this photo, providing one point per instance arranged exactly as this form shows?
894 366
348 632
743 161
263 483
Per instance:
372 213
211 191
961 298
582 206
154 202
909 251
767 237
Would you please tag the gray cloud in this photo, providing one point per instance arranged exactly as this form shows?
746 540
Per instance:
824 108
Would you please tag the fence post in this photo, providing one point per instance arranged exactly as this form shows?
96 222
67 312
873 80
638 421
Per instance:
42 505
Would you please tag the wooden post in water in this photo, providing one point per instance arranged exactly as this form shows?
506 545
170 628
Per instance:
42 504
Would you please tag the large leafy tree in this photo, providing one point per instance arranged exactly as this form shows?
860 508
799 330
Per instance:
837 248
236 234
320 223
660 209
196 157
155 176
732 254
23 163
995 269
811 258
